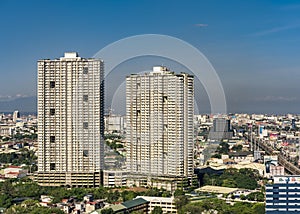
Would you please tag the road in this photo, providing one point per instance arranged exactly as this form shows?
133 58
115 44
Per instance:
289 167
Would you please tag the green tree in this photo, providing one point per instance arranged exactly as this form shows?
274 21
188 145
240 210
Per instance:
166 194
21 209
241 208
128 195
191 208
29 203
237 148
220 206
157 210
178 192
256 196
180 201
16 209
258 208
107 211
223 148
243 197
206 179
7 188
216 156
229 183
246 182
100 192
113 196
213 204
46 210
5 201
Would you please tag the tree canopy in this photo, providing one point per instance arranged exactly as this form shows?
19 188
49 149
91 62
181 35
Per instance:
235 178
222 207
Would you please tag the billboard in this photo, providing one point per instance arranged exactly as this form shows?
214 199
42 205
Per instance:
270 160
262 132
261 129
286 179
273 136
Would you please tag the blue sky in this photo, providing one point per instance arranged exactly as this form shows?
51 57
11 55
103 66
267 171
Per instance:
253 45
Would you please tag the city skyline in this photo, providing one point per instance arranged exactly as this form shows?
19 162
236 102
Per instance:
255 55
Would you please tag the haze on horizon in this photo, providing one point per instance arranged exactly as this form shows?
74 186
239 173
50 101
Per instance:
253 45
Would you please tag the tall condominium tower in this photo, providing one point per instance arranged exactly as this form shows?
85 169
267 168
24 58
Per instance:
16 116
70 121
221 129
159 110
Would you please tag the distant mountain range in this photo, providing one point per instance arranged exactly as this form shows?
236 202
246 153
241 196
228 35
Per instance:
22 104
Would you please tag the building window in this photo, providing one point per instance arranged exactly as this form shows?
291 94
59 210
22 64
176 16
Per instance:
85 153
52 166
85 70
85 125
165 99
165 127
52 84
52 139
85 98
52 111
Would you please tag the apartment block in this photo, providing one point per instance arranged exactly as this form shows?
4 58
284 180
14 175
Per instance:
159 115
70 121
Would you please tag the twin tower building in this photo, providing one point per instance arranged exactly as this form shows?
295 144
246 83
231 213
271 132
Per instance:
159 133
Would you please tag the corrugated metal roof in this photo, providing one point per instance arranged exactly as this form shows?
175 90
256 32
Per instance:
135 203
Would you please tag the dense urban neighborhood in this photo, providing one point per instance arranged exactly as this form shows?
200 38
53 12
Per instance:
232 171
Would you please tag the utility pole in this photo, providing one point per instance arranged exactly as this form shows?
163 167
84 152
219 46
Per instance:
251 144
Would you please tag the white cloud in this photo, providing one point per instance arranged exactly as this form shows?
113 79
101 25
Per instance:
12 97
201 25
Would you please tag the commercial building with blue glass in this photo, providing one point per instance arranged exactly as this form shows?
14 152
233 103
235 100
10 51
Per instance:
283 196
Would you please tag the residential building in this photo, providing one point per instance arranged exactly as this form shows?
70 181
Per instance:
221 129
70 121
139 205
114 123
16 116
113 178
159 110
6 130
167 204
15 172
283 195
94 205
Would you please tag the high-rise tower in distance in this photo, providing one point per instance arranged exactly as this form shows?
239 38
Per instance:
16 115
160 132
70 121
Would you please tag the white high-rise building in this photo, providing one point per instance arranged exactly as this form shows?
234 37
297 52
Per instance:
160 132
16 116
70 121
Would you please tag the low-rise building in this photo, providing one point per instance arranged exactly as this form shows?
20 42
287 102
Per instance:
137 204
217 189
114 178
94 205
15 172
167 204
